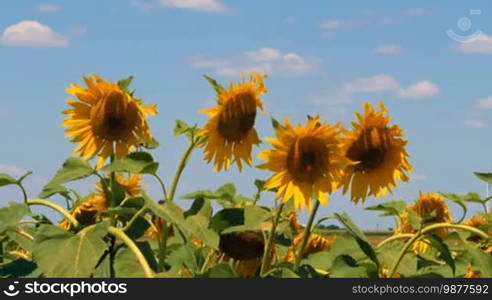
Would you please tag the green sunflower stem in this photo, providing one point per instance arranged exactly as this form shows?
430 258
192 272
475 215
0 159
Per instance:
307 233
265 262
163 186
428 229
24 193
394 238
56 207
179 170
118 233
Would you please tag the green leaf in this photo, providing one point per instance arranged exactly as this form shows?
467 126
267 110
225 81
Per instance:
197 226
180 127
487 177
205 194
217 86
200 207
124 84
17 268
345 266
254 218
390 208
415 219
458 200
138 228
62 254
183 257
222 270
72 169
260 184
227 192
126 265
6 179
135 162
479 260
226 218
12 214
21 240
149 144
168 211
359 236
443 249
50 190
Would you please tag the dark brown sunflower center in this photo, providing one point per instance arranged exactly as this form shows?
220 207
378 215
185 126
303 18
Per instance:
237 118
242 245
307 159
113 118
371 158
369 150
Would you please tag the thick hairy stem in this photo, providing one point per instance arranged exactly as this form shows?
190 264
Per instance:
427 229
394 238
118 233
307 233
56 207
265 262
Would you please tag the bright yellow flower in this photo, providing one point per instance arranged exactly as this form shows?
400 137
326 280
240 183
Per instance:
316 243
105 119
476 221
378 151
307 162
470 273
230 129
425 206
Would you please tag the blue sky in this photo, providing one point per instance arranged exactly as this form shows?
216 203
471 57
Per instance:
323 57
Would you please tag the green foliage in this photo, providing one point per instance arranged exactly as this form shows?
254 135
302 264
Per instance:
390 208
135 162
11 215
59 253
72 169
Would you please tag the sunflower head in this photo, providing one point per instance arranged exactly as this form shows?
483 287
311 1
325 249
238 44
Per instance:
307 161
230 129
431 207
105 119
247 268
316 243
242 245
476 221
293 223
86 212
378 153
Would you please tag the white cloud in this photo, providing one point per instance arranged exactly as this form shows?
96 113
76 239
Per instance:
334 24
388 50
475 123
12 170
381 83
141 5
212 6
269 60
479 43
418 12
419 90
49 8
484 103
32 34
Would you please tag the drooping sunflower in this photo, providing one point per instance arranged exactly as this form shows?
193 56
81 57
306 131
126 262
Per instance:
433 209
478 222
470 273
230 129
307 161
86 212
316 243
105 119
378 151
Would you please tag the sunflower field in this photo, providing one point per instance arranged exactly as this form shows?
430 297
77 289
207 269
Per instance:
118 230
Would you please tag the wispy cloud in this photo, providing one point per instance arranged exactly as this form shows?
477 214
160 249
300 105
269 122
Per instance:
418 12
389 50
269 60
333 25
475 117
49 8
12 170
381 83
210 6
141 5
477 44
32 34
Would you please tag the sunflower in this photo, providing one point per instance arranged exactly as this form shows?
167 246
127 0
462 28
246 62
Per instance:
230 129
307 161
378 151
86 212
105 119
470 273
433 209
316 243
